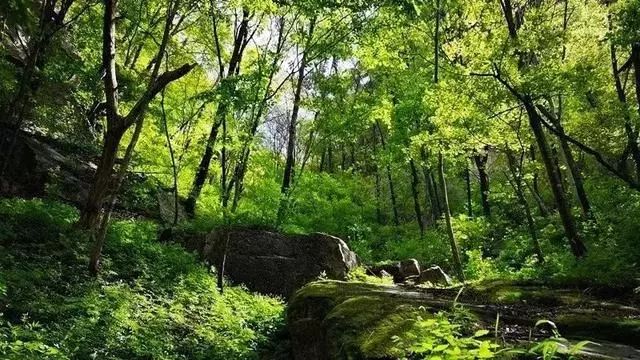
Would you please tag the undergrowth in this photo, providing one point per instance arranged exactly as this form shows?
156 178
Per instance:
152 301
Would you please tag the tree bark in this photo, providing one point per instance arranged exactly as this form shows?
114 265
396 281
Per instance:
116 124
392 191
447 216
467 179
576 176
630 131
555 181
415 181
202 172
290 161
481 165
516 173
293 124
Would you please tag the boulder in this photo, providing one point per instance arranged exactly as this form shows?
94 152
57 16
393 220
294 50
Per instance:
401 271
273 263
387 269
409 268
434 275
335 320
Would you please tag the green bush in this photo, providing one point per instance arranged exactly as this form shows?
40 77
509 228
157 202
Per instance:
152 301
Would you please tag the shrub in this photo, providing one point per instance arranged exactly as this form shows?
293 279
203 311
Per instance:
152 301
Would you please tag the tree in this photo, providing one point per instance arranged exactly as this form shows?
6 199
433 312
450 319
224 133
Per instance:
117 124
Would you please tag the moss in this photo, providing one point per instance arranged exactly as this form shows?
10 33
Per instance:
361 319
626 331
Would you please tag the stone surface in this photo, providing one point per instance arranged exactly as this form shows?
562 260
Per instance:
434 275
334 320
36 168
273 263
401 271
409 268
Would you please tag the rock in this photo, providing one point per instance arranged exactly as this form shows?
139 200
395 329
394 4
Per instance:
36 168
335 320
167 206
273 263
434 275
409 268
390 269
401 271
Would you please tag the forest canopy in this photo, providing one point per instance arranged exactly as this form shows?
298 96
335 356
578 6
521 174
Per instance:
496 139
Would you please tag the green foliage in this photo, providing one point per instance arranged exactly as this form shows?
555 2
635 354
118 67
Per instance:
359 274
152 300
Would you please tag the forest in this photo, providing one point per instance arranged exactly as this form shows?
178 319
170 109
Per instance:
319 179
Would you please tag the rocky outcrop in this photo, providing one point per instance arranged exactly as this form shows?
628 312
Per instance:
273 263
36 168
333 320
43 167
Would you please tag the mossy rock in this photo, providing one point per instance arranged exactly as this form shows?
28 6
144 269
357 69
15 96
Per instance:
352 320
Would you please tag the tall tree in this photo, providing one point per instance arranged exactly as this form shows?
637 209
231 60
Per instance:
227 87
289 166
118 124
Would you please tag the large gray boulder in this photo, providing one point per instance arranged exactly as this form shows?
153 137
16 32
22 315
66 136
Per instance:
273 263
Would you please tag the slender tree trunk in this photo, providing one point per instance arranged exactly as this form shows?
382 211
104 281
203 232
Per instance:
102 180
392 191
516 173
415 181
635 58
632 134
101 233
481 165
467 178
321 166
378 198
117 126
576 176
447 216
173 162
555 181
534 188
203 168
289 166
202 172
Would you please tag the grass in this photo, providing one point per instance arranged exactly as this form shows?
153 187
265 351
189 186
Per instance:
151 301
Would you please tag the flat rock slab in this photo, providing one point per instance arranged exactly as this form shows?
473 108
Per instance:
340 320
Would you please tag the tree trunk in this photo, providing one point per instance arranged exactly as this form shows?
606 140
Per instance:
378 198
481 164
576 176
516 173
102 180
632 134
392 191
415 181
289 166
535 188
447 216
467 179
287 179
223 107
172 157
555 181
203 168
